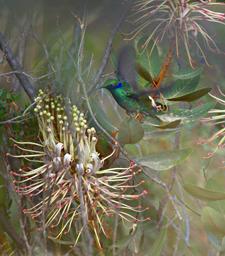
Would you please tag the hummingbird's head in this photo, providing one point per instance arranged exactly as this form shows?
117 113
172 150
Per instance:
112 84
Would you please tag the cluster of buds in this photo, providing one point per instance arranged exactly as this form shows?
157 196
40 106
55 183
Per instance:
183 20
217 117
63 171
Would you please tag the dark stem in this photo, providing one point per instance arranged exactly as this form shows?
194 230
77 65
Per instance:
15 66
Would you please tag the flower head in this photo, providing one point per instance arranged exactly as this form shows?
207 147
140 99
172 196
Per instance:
217 117
182 20
64 176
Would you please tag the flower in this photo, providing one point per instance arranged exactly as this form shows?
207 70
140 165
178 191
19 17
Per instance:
64 177
182 20
217 118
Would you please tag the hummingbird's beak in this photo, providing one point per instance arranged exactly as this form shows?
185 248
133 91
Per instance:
103 86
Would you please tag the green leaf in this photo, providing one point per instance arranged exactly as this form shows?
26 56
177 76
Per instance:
185 84
213 221
222 248
217 183
169 125
192 96
164 160
159 243
187 74
130 131
102 118
149 57
204 194
190 115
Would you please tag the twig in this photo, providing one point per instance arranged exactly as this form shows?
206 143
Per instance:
170 197
45 49
15 66
16 119
115 230
24 73
108 48
85 217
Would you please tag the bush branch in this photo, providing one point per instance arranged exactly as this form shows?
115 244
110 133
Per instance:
15 66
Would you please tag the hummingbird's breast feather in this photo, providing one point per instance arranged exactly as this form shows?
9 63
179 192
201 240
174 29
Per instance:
128 103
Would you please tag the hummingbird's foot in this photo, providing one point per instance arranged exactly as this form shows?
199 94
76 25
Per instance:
114 134
163 105
139 117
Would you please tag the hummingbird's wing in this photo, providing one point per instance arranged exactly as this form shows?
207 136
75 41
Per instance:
144 73
126 66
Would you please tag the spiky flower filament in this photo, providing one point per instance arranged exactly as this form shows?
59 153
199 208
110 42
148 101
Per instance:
65 152
217 117
182 20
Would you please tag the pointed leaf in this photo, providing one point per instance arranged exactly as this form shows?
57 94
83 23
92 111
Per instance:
204 194
164 160
144 73
189 74
184 85
169 125
213 221
192 96
149 57
130 132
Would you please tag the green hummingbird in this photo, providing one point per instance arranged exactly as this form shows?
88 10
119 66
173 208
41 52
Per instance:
124 88
132 102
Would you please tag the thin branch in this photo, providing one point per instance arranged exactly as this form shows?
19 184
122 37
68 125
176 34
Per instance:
25 74
15 66
18 119
108 48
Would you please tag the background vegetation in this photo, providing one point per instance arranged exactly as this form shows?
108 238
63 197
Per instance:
71 48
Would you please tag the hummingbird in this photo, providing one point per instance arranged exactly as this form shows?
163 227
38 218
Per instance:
125 91
132 102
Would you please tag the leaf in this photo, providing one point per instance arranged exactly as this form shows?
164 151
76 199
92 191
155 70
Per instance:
149 58
204 194
192 96
186 84
169 125
222 248
159 243
164 160
130 131
213 221
144 73
187 75
217 183
102 118
190 115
